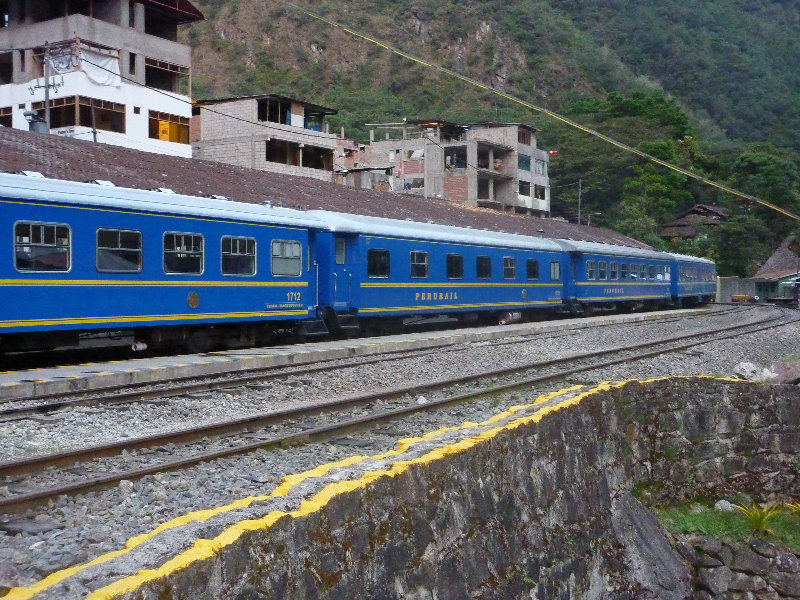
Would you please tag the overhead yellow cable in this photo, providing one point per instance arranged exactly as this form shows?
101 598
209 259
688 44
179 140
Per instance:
550 113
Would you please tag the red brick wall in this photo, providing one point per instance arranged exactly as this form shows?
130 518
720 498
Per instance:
456 187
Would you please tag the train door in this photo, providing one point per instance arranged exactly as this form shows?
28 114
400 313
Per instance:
342 271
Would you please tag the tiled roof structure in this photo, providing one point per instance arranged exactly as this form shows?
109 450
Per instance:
78 160
784 261
685 223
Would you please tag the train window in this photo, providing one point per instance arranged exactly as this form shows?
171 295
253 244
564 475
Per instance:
377 263
340 250
660 272
455 266
623 271
613 270
483 267
238 255
419 264
183 253
667 273
286 259
41 247
601 270
532 268
555 271
509 267
118 251
652 272
590 269
642 271
634 271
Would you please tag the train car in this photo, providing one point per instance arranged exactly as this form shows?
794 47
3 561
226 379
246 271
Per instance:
385 271
84 263
610 277
694 280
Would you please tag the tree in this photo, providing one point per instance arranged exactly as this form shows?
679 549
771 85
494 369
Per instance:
739 245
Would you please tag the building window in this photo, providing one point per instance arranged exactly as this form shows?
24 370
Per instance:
183 253
419 264
601 270
455 266
275 111
5 116
483 267
287 260
168 128
41 247
524 188
532 269
83 111
555 271
509 267
131 63
539 192
524 162
524 137
590 270
118 251
377 263
540 167
238 255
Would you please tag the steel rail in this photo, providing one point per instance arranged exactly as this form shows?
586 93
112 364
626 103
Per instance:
181 386
240 426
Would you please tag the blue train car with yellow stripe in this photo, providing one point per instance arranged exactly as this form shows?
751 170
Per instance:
152 267
386 271
694 280
611 277
86 264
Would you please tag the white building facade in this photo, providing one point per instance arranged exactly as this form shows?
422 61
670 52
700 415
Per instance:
105 70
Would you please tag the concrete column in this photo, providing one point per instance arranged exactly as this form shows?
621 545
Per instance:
123 16
139 17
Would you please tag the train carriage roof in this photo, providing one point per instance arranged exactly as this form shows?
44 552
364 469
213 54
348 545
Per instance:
691 259
434 232
611 250
24 187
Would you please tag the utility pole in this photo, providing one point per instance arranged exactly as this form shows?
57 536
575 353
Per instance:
47 85
579 201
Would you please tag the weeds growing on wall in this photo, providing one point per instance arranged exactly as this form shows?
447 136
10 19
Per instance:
783 525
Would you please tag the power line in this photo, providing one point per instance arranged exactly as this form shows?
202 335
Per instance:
547 112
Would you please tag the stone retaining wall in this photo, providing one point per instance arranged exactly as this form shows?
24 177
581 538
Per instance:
536 508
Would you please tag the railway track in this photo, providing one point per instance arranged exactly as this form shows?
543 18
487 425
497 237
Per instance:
18 408
37 480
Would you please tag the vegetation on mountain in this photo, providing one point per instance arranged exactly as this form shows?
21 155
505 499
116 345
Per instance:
712 87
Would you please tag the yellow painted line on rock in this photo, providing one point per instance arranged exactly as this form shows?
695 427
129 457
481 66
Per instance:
205 548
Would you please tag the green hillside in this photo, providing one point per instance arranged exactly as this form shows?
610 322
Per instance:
712 86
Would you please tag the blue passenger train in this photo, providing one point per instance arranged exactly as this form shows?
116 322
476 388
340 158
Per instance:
92 264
